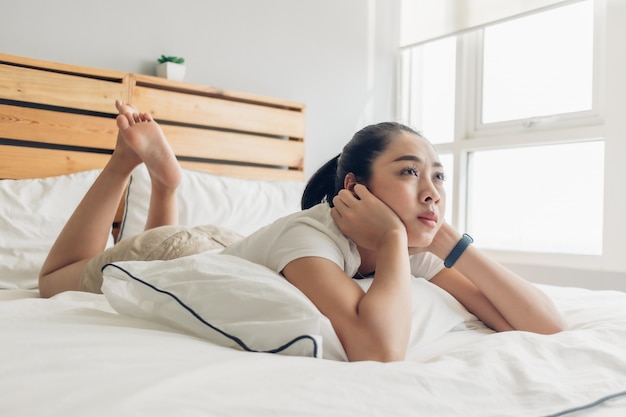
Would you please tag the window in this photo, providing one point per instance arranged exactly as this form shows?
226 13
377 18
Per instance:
447 160
429 98
511 107
539 198
540 65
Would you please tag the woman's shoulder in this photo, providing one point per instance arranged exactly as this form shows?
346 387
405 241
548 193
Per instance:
308 222
319 212
316 215
310 232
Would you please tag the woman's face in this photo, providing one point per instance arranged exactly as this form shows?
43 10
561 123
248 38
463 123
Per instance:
408 177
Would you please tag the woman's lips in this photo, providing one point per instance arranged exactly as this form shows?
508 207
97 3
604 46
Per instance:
429 219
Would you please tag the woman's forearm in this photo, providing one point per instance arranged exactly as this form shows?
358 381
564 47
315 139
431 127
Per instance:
384 312
522 304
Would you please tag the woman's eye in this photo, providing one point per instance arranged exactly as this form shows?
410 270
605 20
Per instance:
440 176
410 171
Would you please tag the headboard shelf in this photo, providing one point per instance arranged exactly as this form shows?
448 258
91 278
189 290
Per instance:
209 91
70 109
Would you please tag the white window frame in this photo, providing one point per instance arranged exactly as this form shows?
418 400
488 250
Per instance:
472 135
474 60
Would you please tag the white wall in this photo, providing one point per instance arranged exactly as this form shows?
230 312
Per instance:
336 56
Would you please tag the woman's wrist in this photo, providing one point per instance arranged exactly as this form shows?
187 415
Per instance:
444 241
458 250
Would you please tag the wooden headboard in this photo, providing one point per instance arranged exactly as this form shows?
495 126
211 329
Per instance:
57 119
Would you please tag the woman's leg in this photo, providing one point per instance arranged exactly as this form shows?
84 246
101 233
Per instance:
149 142
85 235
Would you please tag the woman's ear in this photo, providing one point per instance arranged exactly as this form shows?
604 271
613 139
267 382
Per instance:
349 181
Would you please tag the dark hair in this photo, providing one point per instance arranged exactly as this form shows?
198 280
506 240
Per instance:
356 157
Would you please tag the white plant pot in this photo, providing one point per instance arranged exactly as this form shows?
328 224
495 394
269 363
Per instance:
171 71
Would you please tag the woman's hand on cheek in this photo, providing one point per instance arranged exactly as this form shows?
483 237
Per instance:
364 218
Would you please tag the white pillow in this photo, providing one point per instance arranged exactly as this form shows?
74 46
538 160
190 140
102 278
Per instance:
233 302
32 214
435 312
228 300
241 205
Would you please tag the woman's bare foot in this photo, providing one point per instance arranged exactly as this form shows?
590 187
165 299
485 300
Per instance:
124 158
143 137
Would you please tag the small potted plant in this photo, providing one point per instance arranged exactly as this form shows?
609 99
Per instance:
171 67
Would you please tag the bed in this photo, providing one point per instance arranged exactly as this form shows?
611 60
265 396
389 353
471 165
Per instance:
201 336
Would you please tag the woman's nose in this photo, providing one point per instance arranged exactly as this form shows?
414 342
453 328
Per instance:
429 193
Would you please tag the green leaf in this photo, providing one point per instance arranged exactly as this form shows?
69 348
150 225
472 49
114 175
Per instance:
175 59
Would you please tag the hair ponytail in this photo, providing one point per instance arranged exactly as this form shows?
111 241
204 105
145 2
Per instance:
321 186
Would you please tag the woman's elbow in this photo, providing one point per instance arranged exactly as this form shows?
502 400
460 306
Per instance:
378 352
548 327
555 327
389 356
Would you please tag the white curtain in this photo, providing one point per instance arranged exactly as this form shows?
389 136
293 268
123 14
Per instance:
424 20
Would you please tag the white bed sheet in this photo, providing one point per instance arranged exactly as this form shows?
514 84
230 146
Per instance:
72 355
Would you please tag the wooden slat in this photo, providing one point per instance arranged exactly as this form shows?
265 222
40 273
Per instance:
246 172
57 128
63 90
66 68
215 112
18 162
227 146
204 90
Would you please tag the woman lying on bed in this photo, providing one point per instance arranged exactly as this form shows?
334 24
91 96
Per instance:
362 210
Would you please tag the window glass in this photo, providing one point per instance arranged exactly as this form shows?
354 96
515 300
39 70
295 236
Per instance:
539 65
447 159
540 198
432 89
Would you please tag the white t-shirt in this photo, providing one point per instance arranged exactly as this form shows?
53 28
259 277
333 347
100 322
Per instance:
313 232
